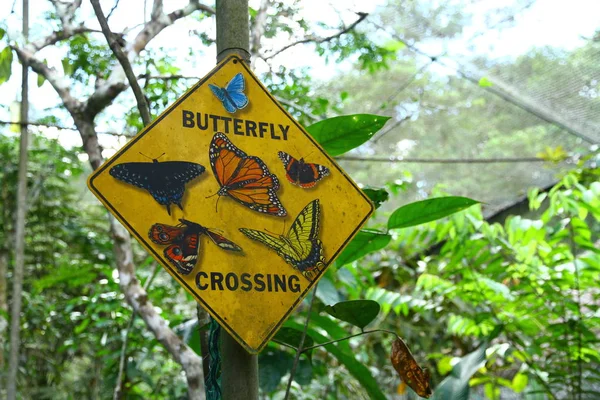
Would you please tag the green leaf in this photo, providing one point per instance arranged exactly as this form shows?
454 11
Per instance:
456 385
359 371
356 312
341 134
327 292
273 366
81 327
2 33
428 210
485 82
6 57
519 382
40 80
364 242
377 196
292 337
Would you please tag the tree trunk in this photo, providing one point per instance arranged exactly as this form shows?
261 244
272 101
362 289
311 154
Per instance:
15 318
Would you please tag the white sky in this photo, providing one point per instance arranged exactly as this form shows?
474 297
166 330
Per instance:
547 22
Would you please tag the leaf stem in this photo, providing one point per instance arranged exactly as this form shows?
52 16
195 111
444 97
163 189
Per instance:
299 350
349 337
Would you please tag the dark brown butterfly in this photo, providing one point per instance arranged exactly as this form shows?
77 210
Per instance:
414 376
184 241
300 173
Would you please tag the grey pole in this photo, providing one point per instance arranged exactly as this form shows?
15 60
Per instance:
239 369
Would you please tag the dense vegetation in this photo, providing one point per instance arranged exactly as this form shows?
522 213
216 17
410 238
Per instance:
493 310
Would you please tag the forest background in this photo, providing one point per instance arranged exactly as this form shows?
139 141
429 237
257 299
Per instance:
493 100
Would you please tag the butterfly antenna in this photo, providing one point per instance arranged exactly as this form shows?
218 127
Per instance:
153 159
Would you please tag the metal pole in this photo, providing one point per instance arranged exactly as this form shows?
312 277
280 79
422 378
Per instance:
239 369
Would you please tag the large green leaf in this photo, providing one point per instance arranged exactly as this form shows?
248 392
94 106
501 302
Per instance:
6 57
292 337
427 210
377 195
456 385
364 242
356 312
359 371
341 134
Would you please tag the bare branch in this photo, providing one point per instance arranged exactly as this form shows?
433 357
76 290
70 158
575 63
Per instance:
258 30
59 127
312 39
58 82
110 89
142 104
112 10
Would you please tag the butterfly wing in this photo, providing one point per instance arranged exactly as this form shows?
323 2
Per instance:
138 174
280 246
235 91
299 173
221 94
222 241
305 229
184 253
165 234
244 178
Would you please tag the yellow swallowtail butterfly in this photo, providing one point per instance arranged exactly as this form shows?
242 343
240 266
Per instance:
301 247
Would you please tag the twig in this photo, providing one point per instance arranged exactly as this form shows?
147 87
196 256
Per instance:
299 352
349 337
60 127
124 61
113 10
361 17
117 394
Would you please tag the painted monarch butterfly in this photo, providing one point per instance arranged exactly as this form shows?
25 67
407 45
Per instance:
232 95
165 181
301 247
184 241
246 179
300 173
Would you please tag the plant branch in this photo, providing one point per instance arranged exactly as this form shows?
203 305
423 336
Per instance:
258 30
142 104
349 337
299 351
118 392
579 313
312 39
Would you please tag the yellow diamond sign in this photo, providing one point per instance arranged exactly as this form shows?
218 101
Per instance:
235 200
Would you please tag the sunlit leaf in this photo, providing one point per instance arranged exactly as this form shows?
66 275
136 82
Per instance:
485 82
338 135
356 312
6 57
364 242
428 210
377 196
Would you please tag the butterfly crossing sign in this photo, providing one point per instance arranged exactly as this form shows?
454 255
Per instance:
235 200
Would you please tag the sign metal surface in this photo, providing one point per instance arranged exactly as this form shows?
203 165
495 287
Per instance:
235 200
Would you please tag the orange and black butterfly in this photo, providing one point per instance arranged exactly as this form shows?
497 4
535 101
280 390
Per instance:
184 241
246 179
300 173
410 372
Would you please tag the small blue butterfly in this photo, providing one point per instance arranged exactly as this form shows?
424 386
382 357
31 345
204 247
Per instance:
232 95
